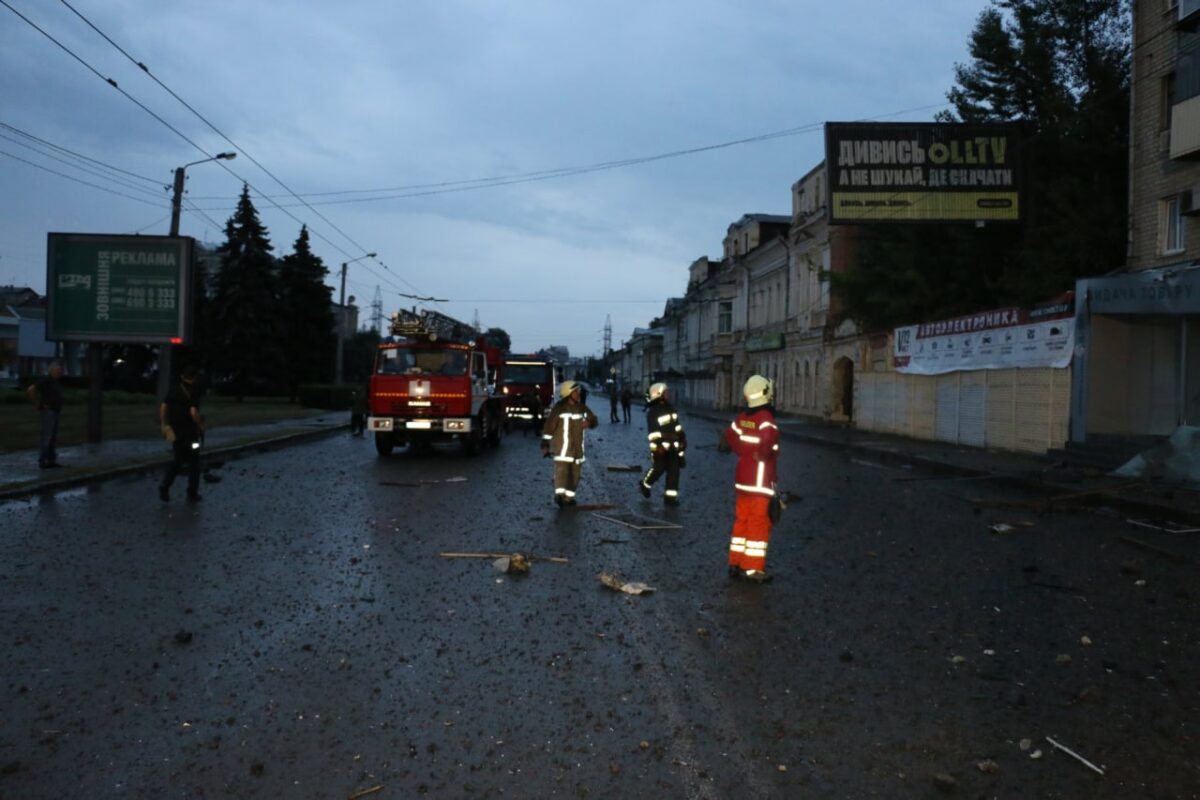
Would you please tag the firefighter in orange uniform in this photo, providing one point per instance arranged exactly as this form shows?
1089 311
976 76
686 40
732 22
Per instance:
754 437
562 437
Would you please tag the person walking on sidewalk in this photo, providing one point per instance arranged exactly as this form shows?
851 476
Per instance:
358 411
47 397
182 426
754 437
626 402
562 437
668 444
613 399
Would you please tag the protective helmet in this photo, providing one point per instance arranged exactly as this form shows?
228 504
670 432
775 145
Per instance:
565 389
759 391
656 391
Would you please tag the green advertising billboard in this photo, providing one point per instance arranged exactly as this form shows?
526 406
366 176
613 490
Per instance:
113 288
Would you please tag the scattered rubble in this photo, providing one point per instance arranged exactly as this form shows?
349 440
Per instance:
618 584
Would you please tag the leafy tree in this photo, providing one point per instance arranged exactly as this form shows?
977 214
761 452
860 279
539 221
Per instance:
498 337
309 342
245 327
1061 68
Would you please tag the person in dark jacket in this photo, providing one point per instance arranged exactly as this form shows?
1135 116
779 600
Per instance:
668 444
182 426
562 438
47 397
626 402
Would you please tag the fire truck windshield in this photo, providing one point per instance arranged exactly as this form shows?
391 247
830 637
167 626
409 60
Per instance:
525 373
421 361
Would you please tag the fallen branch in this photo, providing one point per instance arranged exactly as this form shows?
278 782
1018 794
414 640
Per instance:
1076 756
552 559
365 792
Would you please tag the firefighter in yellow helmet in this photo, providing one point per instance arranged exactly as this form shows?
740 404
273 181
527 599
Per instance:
668 444
562 438
754 437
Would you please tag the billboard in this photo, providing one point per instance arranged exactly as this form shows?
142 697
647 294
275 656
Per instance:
1042 336
114 288
889 172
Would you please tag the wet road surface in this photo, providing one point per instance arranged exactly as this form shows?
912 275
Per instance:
297 634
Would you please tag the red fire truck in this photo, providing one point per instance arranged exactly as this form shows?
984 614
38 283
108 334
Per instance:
528 388
435 380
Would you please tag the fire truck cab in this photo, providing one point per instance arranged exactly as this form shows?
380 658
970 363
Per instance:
434 380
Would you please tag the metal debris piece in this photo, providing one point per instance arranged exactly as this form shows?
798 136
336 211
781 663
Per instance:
618 584
1076 756
530 557
1002 527
1171 556
638 522
1163 525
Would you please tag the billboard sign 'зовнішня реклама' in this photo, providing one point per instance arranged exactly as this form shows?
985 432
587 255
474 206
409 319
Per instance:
114 288
922 172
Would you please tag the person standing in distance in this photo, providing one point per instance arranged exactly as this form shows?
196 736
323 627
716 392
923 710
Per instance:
47 397
754 437
626 402
182 426
562 437
668 444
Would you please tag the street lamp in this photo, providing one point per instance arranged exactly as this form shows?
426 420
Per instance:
341 322
164 352
177 197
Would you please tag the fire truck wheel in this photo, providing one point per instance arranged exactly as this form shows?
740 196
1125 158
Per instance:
384 442
493 430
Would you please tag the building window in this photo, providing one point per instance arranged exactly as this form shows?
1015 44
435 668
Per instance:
725 316
1168 101
1173 239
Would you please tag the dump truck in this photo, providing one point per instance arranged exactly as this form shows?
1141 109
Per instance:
528 388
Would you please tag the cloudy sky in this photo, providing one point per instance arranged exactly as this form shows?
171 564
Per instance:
392 122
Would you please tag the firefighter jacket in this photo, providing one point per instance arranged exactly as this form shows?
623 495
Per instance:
664 430
754 437
562 435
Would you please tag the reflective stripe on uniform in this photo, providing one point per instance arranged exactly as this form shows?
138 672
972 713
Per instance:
664 419
756 549
741 487
737 545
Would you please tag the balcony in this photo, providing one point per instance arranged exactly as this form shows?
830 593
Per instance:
1189 15
1185 128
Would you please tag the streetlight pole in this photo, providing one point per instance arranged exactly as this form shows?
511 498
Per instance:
341 320
165 350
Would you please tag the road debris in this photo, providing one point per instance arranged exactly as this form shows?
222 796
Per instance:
1164 525
987 766
1002 527
618 584
1025 744
944 782
638 522
516 564
624 468
1086 641
1035 755
528 558
365 792
1173 557
1062 658
1076 756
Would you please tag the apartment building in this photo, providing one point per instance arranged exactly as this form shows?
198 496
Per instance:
1137 368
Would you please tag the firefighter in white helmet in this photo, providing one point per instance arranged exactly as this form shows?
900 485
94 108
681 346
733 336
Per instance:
562 438
668 444
754 437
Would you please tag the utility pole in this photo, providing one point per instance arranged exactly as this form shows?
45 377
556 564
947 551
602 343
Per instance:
377 311
607 335
341 318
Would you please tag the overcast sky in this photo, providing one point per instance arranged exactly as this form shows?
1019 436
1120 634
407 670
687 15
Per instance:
339 100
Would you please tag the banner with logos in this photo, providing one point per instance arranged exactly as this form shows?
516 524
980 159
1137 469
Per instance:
1042 336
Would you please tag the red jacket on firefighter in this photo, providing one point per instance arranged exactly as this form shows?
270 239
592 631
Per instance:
754 437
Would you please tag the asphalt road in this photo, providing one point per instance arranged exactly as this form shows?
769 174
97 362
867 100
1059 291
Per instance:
298 635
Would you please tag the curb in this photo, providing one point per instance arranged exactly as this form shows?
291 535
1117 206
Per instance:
98 474
1097 498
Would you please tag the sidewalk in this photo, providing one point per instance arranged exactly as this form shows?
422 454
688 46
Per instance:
1057 483
20 475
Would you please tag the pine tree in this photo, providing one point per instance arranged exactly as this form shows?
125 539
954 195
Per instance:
1061 68
310 340
245 323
